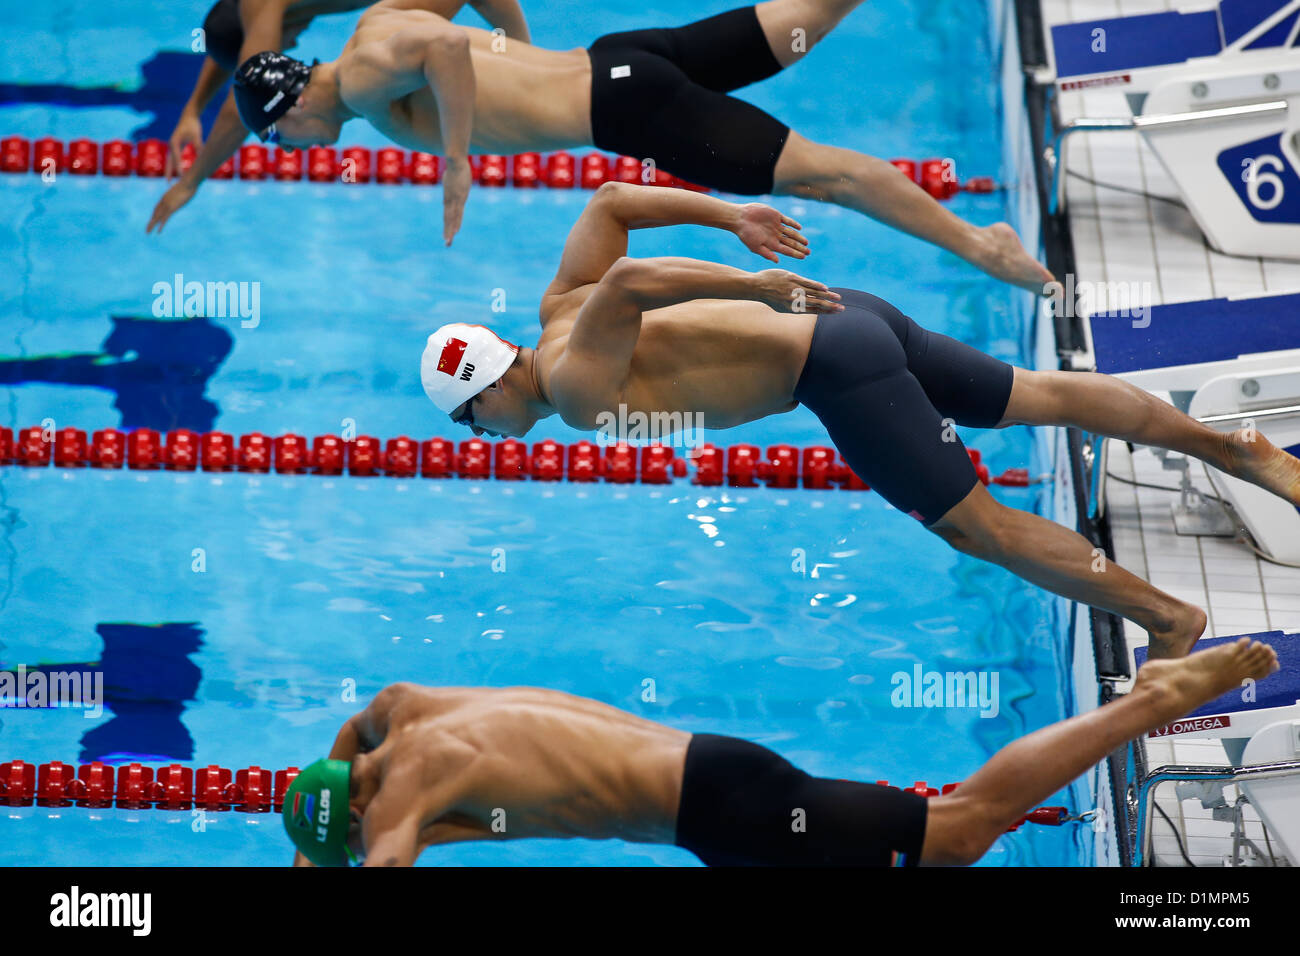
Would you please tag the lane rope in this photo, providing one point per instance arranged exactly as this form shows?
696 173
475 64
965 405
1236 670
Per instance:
183 450
357 164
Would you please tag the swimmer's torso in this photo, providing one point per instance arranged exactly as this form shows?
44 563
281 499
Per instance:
526 98
729 361
543 764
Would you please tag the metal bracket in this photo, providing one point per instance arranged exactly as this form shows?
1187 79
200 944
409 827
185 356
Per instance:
1194 514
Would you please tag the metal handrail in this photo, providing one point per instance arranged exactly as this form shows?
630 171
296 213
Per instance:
1263 771
1262 413
1056 153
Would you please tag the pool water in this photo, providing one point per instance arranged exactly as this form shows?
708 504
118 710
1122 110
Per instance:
239 619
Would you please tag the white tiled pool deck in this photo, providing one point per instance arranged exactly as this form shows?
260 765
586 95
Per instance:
1123 238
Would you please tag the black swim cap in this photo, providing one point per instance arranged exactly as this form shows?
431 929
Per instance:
266 87
223 34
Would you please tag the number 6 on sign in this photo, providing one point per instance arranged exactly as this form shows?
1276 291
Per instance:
1262 174
1253 179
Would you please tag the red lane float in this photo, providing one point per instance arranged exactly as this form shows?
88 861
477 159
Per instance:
938 177
560 171
356 164
136 787
151 158
83 158
425 169
390 166
491 170
738 466
287 165
526 170
15 155
116 158
322 164
1043 816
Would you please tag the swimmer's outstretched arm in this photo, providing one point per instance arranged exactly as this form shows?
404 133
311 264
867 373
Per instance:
189 125
431 53
263 23
599 238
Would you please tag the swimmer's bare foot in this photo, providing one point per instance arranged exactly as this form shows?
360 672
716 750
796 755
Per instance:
1176 638
1250 456
1176 688
1002 256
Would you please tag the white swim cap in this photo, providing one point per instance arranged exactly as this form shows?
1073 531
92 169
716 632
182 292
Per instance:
460 361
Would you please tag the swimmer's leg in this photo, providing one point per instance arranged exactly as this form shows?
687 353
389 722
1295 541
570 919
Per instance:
962 825
888 392
966 386
793 27
1108 406
877 189
1066 563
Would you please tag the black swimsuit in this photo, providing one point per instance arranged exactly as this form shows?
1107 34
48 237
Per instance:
661 95
743 805
888 392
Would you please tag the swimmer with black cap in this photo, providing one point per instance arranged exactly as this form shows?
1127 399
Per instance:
233 31
673 340
423 767
661 95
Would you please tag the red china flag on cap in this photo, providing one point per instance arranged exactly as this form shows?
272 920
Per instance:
452 353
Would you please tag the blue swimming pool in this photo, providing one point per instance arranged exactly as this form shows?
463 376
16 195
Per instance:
313 586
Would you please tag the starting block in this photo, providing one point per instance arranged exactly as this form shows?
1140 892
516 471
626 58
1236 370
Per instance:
1216 94
1259 728
1231 363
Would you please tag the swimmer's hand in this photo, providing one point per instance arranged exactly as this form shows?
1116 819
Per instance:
455 190
786 292
181 192
188 132
766 232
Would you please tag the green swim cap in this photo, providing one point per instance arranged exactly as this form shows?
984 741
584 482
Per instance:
316 814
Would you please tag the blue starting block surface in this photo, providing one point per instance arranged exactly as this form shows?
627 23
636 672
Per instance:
1239 17
1119 44
1191 333
1131 43
1281 689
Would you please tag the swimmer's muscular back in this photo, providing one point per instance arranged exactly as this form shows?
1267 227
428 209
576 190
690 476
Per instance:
526 98
728 361
539 763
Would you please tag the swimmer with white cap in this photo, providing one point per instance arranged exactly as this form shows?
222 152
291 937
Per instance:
672 337
466 364
424 767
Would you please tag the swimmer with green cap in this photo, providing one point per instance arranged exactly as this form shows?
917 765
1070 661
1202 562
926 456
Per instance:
423 766
316 813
